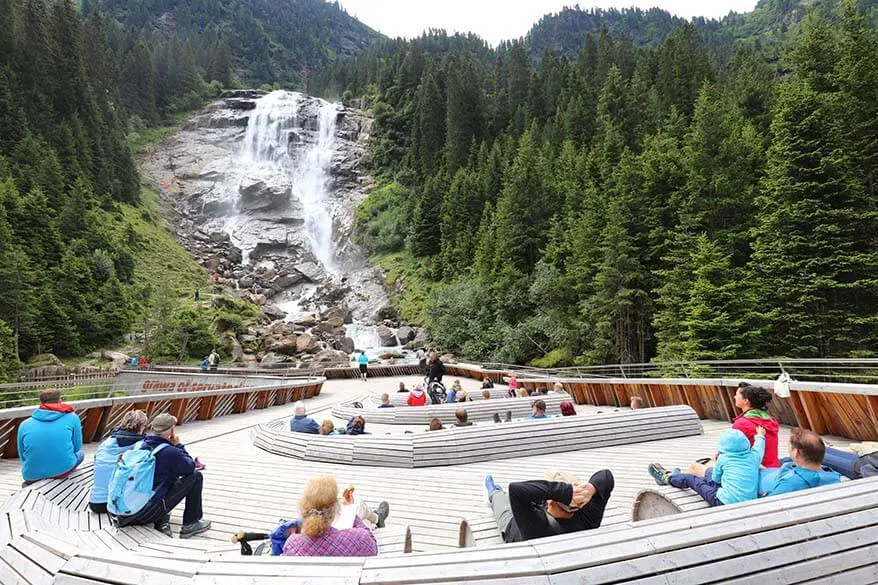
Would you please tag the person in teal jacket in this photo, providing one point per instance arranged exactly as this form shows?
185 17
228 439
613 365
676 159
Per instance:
50 441
735 478
803 470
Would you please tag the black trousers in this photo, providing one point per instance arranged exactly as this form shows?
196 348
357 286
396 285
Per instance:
187 487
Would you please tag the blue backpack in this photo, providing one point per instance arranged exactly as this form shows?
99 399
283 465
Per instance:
279 536
130 488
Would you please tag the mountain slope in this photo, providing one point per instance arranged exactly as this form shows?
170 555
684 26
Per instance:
270 40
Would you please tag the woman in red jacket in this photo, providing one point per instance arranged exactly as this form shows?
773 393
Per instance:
417 397
753 401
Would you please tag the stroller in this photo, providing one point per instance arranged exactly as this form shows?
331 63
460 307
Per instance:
436 392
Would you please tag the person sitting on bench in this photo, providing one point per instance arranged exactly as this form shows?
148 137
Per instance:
735 478
801 471
487 383
385 401
131 430
301 423
50 441
560 504
435 424
539 410
349 506
461 418
176 478
317 537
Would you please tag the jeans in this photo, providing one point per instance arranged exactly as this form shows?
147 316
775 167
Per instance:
841 461
704 487
502 510
158 512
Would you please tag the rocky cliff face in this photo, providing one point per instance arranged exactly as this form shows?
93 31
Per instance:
246 208
264 189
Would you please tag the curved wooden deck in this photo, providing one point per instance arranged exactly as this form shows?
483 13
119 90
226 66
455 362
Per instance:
248 487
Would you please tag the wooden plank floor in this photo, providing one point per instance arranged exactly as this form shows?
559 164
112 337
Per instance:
246 487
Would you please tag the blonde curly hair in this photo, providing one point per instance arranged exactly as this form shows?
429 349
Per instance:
134 421
318 505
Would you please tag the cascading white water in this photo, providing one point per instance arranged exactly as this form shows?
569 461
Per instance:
266 153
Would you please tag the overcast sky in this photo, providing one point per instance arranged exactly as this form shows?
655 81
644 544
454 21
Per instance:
498 20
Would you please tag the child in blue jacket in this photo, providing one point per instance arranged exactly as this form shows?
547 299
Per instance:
735 478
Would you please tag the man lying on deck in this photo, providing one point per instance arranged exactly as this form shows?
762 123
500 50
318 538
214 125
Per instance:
560 504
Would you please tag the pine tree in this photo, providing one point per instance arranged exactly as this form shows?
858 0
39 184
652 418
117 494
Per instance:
429 125
465 121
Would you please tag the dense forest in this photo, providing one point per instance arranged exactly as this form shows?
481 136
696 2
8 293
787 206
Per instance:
631 203
73 93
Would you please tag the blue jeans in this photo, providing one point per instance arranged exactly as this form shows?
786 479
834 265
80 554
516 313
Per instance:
704 487
841 461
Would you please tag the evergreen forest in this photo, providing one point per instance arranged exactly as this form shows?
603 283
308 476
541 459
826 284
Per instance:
632 202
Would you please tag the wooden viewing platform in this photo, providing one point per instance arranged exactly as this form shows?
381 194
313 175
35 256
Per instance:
811 536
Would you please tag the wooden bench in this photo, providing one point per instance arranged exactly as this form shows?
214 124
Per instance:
482 442
664 501
481 410
822 536
498 392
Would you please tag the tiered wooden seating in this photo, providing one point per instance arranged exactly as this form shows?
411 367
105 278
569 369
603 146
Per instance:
482 442
477 410
825 535
497 392
664 501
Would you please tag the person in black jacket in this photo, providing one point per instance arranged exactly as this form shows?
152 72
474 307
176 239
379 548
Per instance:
177 477
437 369
557 505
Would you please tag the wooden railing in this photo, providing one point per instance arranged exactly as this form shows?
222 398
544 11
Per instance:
845 410
99 417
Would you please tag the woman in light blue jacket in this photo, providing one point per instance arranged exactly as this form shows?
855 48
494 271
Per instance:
131 431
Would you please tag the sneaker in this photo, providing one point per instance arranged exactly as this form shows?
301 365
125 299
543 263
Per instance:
190 530
490 487
382 512
496 417
659 473
165 528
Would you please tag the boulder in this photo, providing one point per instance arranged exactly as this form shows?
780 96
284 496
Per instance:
334 321
390 355
405 334
422 337
310 270
283 345
306 343
272 360
257 195
386 336
285 281
235 349
306 319
273 312
345 344
332 356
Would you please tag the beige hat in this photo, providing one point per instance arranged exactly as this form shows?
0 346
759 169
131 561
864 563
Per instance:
162 423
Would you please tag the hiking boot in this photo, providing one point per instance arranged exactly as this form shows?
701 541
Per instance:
659 473
496 417
190 530
382 511
164 528
508 416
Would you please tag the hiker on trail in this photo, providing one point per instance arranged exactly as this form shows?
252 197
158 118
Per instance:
175 478
197 295
130 431
318 536
560 504
301 423
363 360
213 360
205 364
802 470
50 441
142 362
735 478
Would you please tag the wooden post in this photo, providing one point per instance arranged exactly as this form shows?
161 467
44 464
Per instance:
207 408
93 419
241 401
178 409
11 449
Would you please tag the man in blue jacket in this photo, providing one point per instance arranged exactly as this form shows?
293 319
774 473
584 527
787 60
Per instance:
176 478
804 470
50 441
301 423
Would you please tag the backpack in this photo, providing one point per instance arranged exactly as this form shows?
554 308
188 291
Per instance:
130 488
279 536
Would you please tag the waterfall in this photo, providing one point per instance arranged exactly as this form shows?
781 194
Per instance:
279 149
